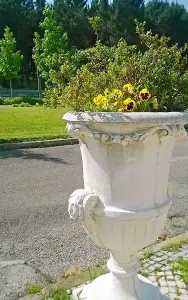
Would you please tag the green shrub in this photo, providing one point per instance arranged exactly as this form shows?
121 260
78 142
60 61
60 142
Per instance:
1 100
27 105
19 100
11 101
158 67
71 63
15 105
22 104
34 288
57 294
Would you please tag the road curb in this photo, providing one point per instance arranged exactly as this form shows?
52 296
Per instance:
173 240
38 144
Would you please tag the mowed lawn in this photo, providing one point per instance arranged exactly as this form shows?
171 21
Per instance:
31 123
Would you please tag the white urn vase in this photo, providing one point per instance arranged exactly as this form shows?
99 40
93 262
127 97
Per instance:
125 200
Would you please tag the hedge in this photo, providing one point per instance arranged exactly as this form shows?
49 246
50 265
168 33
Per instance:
19 100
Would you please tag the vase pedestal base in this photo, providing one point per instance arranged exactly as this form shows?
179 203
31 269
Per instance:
109 287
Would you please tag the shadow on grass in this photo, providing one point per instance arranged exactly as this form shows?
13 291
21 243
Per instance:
29 155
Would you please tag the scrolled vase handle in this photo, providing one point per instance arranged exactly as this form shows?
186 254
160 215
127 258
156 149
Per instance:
81 204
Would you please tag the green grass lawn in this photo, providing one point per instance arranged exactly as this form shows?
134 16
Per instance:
31 123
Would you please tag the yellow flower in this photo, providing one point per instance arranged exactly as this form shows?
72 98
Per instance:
106 92
97 100
128 88
121 109
100 100
130 104
117 93
155 103
144 94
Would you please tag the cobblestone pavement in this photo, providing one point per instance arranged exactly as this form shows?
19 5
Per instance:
159 269
162 270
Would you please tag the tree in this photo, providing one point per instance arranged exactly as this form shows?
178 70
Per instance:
123 14
39 8
23 18
37 59
49 49
104 15
40 5
10 58
95 23
117 19
51 46
73 15
24 38
168 19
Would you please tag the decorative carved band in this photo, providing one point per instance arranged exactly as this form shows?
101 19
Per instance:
80 130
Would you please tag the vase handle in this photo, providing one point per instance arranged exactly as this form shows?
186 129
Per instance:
82 206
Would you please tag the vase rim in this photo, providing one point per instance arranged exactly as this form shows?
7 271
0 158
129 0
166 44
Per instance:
132 117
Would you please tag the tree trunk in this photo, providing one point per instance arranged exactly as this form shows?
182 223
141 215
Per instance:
39 83
11 88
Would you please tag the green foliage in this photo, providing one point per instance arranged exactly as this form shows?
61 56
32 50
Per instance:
169 19
146 255
10 58
95 23
160 68
72 16
89 79
40 5
48 50
22 104
1 100
57 294
174 246
22 17
95 271
116 22
180 265
33 288
70 63
123 15
19 100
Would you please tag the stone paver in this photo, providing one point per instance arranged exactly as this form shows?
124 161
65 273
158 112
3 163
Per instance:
169 283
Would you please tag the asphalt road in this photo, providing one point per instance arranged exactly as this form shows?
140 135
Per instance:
34 223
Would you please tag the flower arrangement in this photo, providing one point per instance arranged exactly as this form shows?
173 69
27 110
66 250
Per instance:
127 99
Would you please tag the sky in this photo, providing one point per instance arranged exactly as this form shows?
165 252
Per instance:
184 2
